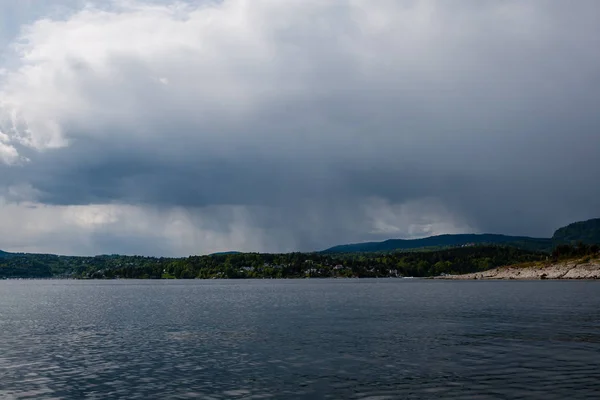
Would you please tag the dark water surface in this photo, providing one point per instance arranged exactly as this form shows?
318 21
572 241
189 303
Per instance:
299 339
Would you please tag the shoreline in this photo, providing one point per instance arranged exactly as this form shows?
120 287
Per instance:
558 271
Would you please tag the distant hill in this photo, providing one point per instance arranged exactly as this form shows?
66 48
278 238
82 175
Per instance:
587 232
524 242
225 253
430 256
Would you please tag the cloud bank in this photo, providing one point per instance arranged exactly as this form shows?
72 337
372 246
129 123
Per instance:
179 128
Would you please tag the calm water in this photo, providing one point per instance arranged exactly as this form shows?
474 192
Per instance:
299 339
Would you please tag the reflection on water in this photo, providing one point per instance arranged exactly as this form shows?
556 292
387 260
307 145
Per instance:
367 339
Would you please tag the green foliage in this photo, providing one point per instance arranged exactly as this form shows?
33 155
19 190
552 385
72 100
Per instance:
254 265
445 254
587 232
567 251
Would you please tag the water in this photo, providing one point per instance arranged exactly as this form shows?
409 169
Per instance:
299 339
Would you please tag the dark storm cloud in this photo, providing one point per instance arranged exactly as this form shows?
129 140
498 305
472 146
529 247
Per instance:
488 107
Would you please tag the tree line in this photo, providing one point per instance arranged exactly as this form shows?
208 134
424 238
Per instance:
256 265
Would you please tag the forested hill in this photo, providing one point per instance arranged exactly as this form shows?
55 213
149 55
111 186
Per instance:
420 257
538 244
587 232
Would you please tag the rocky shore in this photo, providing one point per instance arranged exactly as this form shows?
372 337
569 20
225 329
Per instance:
565 270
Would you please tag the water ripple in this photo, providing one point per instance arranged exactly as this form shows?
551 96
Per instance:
374 340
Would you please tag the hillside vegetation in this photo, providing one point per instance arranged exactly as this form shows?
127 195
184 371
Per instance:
442 241
445 254
567 262
254 265
587 232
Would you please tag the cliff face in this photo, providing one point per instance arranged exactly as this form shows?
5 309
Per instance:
566 270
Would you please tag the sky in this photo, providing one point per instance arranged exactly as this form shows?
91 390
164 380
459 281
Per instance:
178 128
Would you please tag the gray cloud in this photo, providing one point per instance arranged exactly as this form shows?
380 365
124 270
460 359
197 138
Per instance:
322 123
